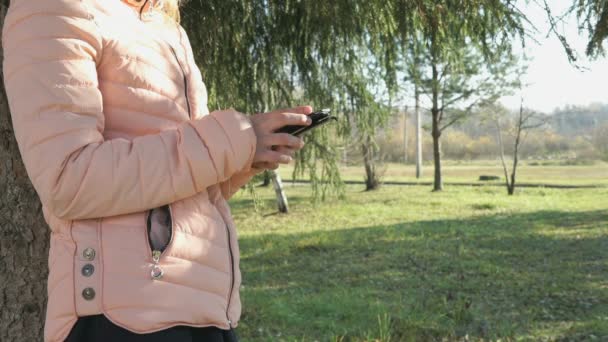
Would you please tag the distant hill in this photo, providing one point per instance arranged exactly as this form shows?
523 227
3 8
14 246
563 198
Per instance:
574 121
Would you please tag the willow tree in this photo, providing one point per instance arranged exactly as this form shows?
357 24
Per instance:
262 54
592 16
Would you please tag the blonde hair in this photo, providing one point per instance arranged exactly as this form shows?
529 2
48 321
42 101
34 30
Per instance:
171 9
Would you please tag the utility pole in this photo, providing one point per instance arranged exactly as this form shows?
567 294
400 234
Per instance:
405 116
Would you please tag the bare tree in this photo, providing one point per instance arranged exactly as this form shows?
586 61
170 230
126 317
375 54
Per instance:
525 121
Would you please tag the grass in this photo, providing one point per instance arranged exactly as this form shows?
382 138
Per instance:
405 264
465 172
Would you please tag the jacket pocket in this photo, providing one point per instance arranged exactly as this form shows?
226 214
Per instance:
159 233
159 226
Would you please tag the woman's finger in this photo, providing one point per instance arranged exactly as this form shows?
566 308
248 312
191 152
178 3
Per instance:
297 110
277 120
267 166
270 156
283 139
286 151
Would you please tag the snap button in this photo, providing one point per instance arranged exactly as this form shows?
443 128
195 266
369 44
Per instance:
87 270
89 254
157 272
88 293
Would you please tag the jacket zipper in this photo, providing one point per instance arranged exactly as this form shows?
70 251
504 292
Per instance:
231 275
157 272
184 77
156 255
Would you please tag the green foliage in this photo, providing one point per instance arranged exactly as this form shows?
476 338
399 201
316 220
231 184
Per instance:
259 55
593 16
345 55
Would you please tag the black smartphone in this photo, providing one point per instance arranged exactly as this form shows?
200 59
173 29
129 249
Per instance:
318 118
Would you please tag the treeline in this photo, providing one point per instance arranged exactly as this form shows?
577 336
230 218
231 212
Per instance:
573 134
573 121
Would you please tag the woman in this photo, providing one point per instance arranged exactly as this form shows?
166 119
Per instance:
133 172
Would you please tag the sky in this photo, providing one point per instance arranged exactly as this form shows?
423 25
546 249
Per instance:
552 81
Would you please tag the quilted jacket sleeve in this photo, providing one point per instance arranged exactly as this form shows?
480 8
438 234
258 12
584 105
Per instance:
51 49
233 184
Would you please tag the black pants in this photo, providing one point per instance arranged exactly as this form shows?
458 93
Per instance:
99 329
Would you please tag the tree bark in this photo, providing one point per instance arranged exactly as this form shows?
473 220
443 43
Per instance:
371 177
436 113
520 128
24 238
501 146
516 153
266 181
438 178
282 204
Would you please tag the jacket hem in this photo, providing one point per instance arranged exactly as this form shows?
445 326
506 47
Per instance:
164 327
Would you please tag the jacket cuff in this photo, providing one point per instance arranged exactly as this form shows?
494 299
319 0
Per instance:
238 126
230 139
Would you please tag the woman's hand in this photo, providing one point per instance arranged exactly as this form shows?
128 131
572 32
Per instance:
277 148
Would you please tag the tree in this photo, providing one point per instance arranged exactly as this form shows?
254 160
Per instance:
456 88
266 54
600 140
465 56
518 127
592 16
254 54
277 183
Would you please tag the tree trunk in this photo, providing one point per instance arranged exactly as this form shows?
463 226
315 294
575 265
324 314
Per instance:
371 177
24 238
511 190
280 192
520 128
266 181
501 146
418 133
438 180
436 113
515 162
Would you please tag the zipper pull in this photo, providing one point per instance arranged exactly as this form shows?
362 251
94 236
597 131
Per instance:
157 271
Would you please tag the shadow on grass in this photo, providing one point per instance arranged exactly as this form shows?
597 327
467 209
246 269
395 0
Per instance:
535 275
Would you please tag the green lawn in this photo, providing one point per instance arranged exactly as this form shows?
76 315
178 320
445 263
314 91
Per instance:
465 172
405 264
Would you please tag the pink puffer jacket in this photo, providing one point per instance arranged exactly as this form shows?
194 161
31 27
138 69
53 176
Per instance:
110 114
